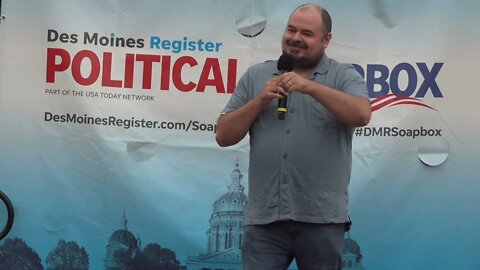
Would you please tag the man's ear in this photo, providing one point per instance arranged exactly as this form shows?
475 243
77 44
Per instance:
327 39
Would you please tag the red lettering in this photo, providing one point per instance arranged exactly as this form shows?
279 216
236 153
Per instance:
52 66
148 61
107 72
77 64
165 73
177 73
213 65
87 67
129 70
231 75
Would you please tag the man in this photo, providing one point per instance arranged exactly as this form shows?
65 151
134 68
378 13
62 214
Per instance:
299 167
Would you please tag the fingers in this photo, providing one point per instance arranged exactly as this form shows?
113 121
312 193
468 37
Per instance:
278 87
283 84
288 81
291 81
272 90
279 91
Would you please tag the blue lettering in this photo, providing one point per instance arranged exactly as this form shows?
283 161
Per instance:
191 46
154 42
381 80
179 45
176 46
411 78
429 81
166 44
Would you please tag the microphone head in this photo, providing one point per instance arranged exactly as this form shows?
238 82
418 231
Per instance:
285 63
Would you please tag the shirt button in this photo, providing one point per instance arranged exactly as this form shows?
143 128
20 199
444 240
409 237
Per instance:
288 131
284 156
292 110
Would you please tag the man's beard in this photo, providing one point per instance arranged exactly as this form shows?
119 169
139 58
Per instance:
300 62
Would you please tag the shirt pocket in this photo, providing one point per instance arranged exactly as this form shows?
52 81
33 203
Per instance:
320 117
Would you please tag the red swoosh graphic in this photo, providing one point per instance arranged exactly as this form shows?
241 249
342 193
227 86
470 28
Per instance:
392 100
378 100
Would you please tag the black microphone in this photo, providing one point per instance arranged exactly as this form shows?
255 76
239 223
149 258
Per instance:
285 64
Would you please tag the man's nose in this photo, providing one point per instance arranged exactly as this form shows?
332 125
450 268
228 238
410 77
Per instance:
297 36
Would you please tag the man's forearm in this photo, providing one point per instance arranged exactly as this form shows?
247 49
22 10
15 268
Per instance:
233 126
352 110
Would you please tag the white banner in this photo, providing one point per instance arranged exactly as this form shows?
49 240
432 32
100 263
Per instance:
108 116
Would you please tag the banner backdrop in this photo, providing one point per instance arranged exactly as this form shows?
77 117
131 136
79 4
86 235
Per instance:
108 111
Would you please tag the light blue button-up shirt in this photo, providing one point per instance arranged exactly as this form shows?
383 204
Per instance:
299 167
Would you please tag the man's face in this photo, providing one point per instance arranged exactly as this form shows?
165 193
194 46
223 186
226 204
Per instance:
305 38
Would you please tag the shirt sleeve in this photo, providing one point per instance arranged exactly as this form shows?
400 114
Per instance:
352 82
240 97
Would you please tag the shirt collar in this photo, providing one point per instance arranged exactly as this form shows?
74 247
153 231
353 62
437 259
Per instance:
322 67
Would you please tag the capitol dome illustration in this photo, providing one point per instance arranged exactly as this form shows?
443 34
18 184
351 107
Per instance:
225 234
224 237
121 240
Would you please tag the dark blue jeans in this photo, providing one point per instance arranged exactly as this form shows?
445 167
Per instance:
275 245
